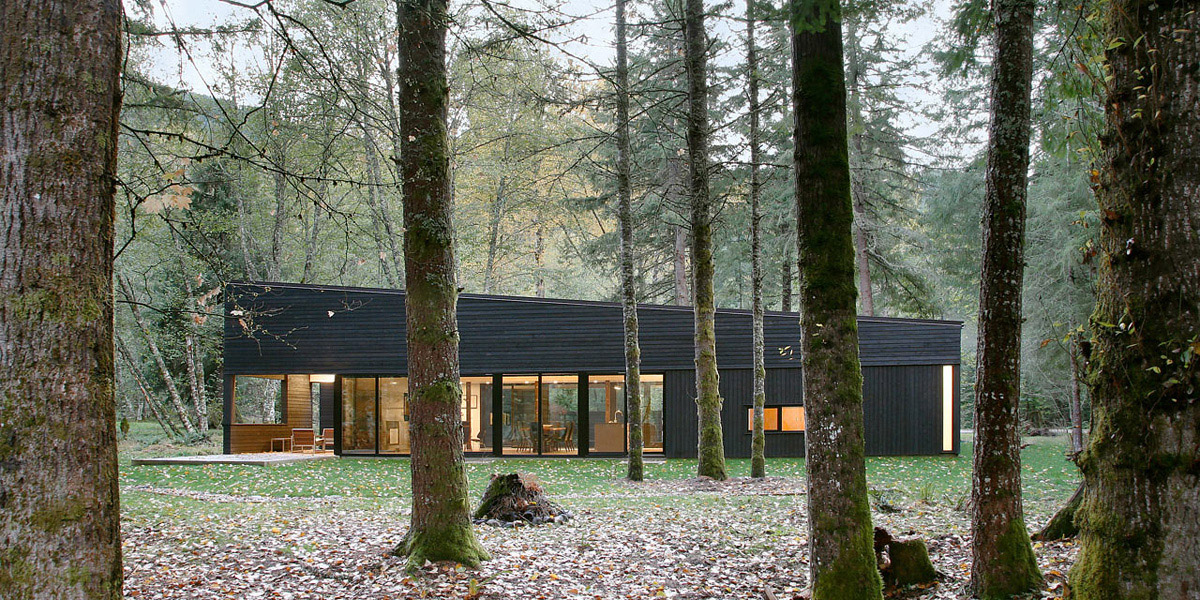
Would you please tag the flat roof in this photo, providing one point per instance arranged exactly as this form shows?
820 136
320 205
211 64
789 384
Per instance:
573 302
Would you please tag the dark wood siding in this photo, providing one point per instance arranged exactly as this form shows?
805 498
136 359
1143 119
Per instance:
289 328
902 411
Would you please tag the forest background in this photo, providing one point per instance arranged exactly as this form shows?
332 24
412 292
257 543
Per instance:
259 142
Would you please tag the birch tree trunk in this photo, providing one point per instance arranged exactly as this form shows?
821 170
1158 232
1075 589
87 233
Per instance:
1002 557
711 450
441 528
159 361
842 563
59 105
758 444
1140 517
633 353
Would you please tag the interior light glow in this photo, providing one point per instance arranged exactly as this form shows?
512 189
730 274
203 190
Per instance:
947 408
321 378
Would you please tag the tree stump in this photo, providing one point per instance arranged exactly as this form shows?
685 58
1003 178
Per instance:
518 498
903 562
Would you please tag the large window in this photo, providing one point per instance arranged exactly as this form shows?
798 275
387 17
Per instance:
393 416
520 413
778 418
260 399
560 414
606 413
358 415
477 413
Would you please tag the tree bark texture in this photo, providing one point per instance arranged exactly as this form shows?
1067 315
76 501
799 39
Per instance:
842 563
785 283
441 528
59 105
711 449
633 353
680 266
1002 557
758 443
1140 517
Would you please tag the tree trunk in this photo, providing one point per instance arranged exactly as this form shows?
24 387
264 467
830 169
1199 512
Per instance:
539 258
1076 403
441 528
489 269
858 188
785 283
681 278
275 261
842 563
1139 519
59 105
163 421
758 444
711 450
633 353
1003 563
191 355
163 370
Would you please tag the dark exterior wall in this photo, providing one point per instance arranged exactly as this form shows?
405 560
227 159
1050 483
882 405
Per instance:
902 411
289 328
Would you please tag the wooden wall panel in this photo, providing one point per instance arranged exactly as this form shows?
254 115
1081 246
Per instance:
250 438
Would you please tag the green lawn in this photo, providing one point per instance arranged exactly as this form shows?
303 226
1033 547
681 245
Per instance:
1048 476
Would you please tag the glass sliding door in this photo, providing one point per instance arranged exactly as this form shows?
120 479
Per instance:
652 413
521 424
393 415
477 413
560 414
606 413
358 415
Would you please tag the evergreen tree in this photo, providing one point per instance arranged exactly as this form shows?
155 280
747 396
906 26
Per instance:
1138 518
60 93
1002 557
842 563
711 450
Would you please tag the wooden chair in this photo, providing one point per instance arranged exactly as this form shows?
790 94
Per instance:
569 436
304 438
325 440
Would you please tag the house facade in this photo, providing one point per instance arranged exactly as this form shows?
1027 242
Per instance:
544 377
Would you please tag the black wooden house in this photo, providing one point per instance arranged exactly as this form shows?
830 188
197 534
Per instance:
544 376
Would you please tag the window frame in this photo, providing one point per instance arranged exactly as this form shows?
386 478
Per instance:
777 428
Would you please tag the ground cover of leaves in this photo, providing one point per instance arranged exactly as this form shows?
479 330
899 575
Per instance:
324 529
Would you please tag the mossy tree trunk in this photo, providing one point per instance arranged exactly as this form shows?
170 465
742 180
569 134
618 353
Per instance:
711 448
1140 517
59 106
441 526
842 563
758 444
1002 556
633 353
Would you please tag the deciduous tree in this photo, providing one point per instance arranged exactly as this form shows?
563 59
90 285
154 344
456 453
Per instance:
441 526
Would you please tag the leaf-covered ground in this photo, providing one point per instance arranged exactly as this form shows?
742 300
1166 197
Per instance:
324 529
